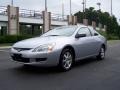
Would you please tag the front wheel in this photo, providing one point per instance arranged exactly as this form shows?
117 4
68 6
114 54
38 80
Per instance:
66 59
101 55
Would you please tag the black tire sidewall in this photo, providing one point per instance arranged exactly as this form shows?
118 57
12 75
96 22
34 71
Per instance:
99 56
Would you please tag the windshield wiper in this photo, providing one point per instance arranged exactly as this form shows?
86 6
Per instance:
53 35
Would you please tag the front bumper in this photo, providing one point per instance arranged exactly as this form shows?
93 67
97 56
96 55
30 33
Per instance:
19 58
42 58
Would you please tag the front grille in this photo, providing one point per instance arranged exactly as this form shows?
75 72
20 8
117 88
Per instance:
22 49
18 57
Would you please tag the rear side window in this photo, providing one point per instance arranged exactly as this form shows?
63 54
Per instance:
85 31
93 31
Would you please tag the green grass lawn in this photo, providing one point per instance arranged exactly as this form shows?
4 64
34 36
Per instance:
113 41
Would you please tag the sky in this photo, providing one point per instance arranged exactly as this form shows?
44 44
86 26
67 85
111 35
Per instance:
55 6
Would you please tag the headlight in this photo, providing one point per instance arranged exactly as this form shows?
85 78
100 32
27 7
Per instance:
44 48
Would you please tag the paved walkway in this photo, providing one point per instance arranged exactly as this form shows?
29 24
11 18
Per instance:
5 47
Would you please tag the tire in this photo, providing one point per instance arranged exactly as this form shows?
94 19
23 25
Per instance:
101 55
66 60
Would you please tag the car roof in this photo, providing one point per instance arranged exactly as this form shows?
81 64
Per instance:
77 26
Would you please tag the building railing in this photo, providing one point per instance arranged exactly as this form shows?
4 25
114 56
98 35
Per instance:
3 10
30 14
58 17
34 14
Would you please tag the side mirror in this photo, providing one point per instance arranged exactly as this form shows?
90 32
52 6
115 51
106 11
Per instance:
95 34
80 35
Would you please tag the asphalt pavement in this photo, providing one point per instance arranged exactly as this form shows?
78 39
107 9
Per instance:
88 74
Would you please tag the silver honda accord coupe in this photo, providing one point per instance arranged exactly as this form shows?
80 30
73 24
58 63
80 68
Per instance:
61 47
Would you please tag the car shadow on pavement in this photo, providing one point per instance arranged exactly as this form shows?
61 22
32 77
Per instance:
84 62
32 69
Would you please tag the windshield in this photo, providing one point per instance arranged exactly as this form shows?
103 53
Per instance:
62 31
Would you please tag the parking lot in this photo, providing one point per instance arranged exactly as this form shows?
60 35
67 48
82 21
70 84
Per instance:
89 74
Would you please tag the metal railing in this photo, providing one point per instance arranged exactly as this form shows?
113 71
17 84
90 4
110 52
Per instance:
30 14
58 17
3 10
34 14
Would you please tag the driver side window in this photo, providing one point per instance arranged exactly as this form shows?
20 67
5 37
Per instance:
84 31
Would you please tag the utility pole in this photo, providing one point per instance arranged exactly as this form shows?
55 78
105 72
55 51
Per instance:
12 2
70 8
99 5
85 5
100 25
83 8
111 7
46 5
62 9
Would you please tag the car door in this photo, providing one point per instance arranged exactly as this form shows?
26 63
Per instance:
96 41
84 45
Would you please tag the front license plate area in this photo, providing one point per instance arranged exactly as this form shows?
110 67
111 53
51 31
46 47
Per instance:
17 56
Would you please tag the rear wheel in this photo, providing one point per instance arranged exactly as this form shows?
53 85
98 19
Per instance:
66 60
101 55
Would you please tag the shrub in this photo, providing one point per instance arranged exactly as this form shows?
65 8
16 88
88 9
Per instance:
12 38
112 37
109 36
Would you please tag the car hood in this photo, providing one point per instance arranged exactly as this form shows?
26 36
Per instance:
35 42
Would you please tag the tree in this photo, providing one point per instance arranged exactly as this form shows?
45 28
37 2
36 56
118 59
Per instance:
100 17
